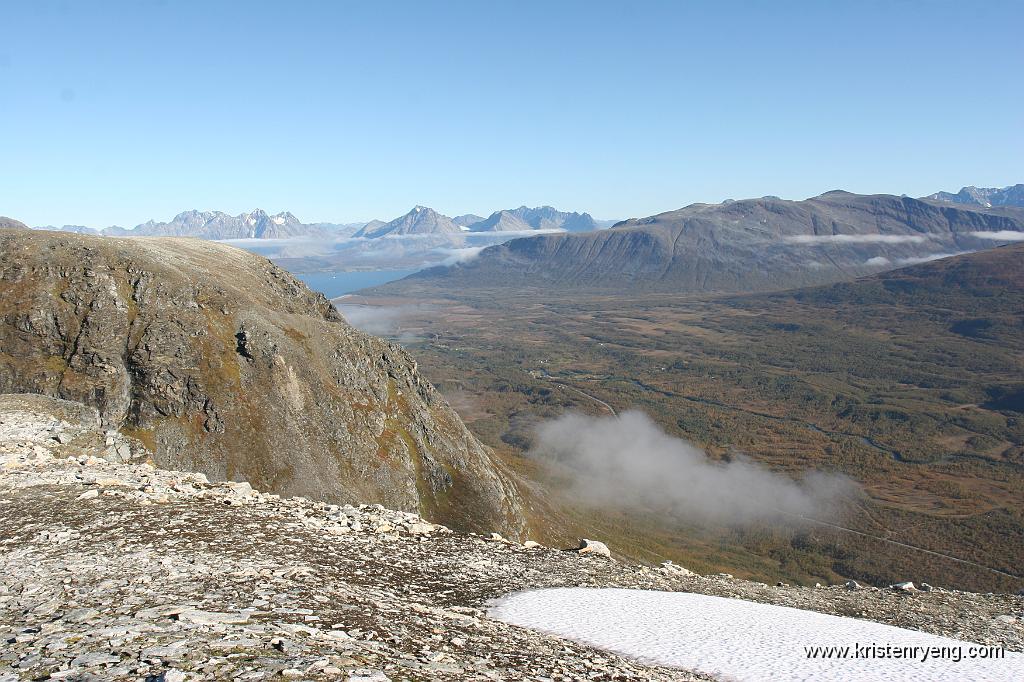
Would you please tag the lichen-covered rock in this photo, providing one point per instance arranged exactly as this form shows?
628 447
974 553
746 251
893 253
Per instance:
222 363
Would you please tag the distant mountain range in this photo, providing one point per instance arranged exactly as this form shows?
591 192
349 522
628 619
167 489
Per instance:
421 220
216 225
751 245
983 196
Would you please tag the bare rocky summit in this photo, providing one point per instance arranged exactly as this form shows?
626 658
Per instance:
120 571
222 363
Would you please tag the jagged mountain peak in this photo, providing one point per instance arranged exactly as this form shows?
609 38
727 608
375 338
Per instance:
1011 195
420 220
545 218
217 225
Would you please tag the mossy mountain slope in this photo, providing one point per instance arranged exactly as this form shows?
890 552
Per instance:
222 363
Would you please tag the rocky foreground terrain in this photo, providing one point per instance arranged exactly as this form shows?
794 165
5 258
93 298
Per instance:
111 569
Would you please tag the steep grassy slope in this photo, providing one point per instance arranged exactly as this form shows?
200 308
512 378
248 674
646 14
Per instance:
221 362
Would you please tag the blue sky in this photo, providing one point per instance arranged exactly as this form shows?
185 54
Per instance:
117 112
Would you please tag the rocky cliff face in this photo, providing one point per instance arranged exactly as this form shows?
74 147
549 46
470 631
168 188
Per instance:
220 362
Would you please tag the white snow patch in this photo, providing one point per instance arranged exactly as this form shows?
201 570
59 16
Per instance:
740 640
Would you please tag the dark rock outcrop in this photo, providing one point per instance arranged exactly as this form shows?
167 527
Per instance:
222 363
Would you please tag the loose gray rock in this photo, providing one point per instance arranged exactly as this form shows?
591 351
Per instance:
205 590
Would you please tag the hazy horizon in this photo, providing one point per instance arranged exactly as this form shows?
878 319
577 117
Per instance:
123 112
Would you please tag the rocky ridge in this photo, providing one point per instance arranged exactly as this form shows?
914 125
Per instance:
120 571
222 363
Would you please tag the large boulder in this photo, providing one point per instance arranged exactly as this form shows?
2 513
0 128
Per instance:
593 547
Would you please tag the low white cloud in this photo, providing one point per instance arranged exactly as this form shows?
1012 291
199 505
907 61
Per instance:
462 255
882 261
388 321
811 239
628 461
914 260
1001 236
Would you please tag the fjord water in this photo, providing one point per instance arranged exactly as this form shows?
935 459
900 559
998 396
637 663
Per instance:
333 284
